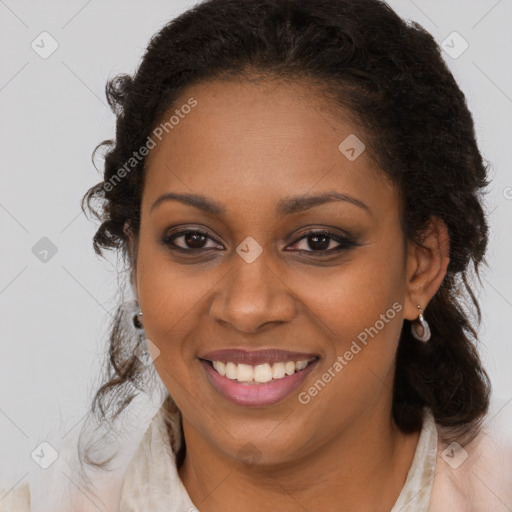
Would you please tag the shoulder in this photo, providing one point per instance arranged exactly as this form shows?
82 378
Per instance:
478 475
16 499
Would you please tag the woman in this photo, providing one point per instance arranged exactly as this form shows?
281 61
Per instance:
296 188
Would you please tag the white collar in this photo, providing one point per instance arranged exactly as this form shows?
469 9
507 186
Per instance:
415 494
151 481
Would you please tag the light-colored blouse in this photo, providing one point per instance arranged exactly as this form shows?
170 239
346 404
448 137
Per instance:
475 478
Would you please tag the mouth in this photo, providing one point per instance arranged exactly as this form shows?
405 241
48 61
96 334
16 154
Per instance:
261 373
259 377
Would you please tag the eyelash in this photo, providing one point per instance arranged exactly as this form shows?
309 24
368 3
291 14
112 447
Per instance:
345 242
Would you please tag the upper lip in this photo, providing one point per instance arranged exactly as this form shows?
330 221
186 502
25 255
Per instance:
254 357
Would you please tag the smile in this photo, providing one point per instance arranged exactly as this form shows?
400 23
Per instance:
254 382
260 373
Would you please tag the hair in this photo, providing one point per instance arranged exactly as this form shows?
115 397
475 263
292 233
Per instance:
390 76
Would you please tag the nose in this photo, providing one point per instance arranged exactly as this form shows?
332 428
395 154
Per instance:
252 296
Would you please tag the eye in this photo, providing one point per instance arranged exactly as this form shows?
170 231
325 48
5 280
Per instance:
193 240
320 241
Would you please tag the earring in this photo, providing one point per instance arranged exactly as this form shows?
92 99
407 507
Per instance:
422 331
137 320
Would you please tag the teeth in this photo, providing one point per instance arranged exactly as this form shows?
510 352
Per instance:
245 373
220 367
278 371
300 365
231 371
261 372
289 368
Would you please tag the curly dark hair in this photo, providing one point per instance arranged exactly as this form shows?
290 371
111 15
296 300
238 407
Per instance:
390 76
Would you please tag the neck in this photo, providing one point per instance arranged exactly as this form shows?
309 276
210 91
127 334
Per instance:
363 468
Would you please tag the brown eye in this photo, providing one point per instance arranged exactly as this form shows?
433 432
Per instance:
192 240
320 241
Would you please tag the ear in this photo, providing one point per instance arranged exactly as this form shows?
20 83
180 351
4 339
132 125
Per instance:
133 245
426 267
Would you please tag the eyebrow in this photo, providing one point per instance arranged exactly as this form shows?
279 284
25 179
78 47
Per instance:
286 206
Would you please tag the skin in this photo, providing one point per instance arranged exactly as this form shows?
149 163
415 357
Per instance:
247 145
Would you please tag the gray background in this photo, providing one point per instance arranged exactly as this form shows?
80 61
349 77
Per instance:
54 314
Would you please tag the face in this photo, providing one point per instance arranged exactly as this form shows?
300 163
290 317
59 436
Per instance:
322 279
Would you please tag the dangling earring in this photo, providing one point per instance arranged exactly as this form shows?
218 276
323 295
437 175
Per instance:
137 320
422 331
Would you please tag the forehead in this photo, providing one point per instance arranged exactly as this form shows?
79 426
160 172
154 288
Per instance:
260 141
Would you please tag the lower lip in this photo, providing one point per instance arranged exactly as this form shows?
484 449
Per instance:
254 394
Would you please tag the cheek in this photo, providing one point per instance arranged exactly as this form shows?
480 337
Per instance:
175 299
353 296
359 311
